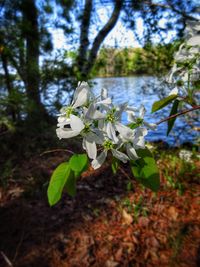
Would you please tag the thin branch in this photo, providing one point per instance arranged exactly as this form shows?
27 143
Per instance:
9 263
84 36
56 150
173 8
124 173
102 35
18 246
178 114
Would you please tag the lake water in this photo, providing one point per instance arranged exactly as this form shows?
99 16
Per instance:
139 90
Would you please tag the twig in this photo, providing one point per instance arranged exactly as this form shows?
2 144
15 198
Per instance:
9 263
56 150
178 114
124 173
18 246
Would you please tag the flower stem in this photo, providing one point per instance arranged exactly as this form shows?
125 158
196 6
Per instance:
179 114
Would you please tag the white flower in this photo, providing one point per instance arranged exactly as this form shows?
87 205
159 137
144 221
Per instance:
131 139
98 122
81 126
187 58
113 115
108 145
81 97
136 121
174 91
185 155
104 99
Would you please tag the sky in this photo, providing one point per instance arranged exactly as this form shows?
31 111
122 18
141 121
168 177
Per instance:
120 35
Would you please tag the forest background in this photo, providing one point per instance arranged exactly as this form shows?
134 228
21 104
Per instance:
46 47
31 65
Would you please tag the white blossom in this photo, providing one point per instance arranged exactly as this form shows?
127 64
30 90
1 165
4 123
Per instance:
185 155
98 122
109 145
137 121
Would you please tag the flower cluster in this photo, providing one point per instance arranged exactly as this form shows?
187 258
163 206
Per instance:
185 155
186 70
98 122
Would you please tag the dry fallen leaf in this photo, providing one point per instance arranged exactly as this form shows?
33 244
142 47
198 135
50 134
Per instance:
173 213
127 218
143 221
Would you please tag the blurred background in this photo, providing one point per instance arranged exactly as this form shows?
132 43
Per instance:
46 47
126 46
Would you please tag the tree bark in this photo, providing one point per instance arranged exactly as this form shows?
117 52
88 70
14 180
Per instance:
32 73
84 35
86 58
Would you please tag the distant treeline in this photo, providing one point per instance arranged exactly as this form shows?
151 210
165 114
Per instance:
151 60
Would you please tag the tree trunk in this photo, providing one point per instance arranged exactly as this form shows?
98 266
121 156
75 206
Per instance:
86 57
84 36
32 73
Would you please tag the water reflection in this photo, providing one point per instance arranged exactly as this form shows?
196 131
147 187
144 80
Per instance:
139 90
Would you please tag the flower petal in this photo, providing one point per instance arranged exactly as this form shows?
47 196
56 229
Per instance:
98 137
83 144
139 141
195 40
111 132
124 131
93 113
120 110
151 126
96 163
142 111
91 148
131 152
81 99
119 155
66 133
104 93
62 121
131 116
106 101
174 91
76 123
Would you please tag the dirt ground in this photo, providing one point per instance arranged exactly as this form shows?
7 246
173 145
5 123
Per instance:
104 225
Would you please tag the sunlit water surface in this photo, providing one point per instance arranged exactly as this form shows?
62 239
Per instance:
139 90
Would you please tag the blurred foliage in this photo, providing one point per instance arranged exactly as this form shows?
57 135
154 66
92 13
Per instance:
36 78
151 60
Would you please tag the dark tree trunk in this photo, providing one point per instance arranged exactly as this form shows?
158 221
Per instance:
32 73
84 36
86 57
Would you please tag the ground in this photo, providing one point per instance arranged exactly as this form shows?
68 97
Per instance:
106 224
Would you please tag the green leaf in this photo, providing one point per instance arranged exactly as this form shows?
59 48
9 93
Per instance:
145 170
71 184
129 186
115 165
78 163
163 102
57 182
173 111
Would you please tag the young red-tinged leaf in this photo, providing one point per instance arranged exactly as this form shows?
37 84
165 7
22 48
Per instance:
163 102
57 182
173 111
